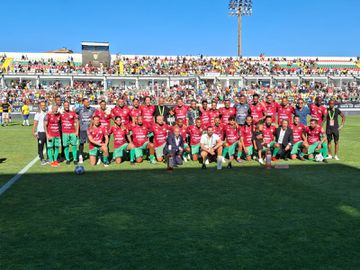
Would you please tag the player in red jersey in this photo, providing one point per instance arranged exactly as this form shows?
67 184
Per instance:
121 138
269 134
315 141
226 112
70 132
104 114
183 131
52 130
181 110
135 111
257 110
121 110
271 107
285 111
247 131
205 115
218 128
195 132
160 131
98 141
232 140
298 133
141 142
213 112
318 111
147 112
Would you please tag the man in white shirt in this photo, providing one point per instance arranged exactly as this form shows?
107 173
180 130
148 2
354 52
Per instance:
58 103
38 131
211 146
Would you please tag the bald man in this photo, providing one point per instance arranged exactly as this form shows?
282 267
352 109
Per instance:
161 109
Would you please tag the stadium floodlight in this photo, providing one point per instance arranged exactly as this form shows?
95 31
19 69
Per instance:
240 8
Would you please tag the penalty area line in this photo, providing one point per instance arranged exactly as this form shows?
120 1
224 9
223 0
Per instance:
12 181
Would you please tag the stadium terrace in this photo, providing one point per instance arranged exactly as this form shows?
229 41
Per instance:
36 75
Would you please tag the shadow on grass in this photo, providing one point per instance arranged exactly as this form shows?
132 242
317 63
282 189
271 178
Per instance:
306 217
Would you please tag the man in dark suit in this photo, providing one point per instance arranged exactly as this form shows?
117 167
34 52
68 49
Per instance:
284 140
174 148
161 109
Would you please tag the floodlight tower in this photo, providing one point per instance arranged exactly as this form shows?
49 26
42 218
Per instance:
240 8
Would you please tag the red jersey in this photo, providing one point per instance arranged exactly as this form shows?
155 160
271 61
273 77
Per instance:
53 126
147 113
180 112
298 131
226 114
139 135
68 122
98 135
314 135
318 112
105 118
232 134
247 134
205 119
195 134
183 131
269 133
285 113
135 112
271 110
213 114
219 130
119 134
257 112
160 134
124 112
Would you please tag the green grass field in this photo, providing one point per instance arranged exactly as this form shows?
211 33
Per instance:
143 217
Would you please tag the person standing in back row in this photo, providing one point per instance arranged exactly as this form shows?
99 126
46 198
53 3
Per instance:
332 128
161 109
85 114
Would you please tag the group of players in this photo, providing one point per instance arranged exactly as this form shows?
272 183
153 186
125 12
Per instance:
244 131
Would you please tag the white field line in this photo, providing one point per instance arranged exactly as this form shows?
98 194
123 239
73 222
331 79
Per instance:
12 181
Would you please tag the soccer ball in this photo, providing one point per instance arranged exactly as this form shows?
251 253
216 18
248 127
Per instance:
79 170
319 158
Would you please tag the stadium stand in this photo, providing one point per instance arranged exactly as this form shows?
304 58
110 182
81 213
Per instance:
37 76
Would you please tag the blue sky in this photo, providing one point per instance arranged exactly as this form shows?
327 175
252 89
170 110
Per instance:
186 27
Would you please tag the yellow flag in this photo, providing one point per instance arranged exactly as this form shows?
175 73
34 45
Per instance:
121 67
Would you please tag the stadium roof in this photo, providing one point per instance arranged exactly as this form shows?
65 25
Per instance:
62 50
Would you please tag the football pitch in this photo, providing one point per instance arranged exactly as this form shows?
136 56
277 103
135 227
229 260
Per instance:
144 217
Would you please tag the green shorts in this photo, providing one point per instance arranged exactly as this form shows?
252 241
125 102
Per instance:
139 151
232 148
119 152
94 152
312 148
69 139
55 141
296 147
250 150
195 149
271 145
159 151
